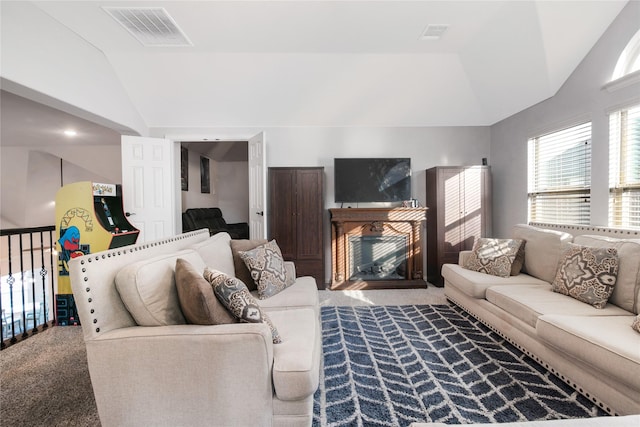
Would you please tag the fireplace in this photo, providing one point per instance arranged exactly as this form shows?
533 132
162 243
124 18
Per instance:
377 257
377 248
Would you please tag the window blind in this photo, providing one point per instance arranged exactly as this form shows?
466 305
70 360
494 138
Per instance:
560 176
624 168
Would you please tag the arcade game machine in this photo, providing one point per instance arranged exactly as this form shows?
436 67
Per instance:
89 218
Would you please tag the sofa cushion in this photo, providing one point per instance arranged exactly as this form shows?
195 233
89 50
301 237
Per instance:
302 294
626 293
635 325
587 274
529 302
605 342
542 250
241 269
296 362
148 290
198 302
498 257
267 269
475 284
234 295
216 253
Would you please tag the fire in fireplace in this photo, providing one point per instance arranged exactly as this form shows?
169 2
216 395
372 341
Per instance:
378 257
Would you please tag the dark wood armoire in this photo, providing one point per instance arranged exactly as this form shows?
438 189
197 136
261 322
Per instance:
459 202
295 216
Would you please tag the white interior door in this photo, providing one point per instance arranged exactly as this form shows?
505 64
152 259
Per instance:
257 193
150 189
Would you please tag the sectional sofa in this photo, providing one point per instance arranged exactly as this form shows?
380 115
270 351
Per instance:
595 350
149 366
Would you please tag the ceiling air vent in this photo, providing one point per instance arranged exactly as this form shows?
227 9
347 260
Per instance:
434 31
151 26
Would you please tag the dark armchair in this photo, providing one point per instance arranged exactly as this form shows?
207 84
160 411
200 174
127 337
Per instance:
211 218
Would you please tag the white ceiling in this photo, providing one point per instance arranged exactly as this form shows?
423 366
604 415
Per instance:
344 63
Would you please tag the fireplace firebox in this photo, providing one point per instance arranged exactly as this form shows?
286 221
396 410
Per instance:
377 247
377 257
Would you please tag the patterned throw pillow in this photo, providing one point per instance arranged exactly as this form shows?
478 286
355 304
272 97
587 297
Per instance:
498 257
234 295
587 274
267 269
241 270
636 323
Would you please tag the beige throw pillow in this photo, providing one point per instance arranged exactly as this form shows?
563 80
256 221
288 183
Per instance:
587 274
498 257
197 300
267 269
148 288
544 249
236 297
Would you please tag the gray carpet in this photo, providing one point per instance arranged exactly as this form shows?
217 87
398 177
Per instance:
44 380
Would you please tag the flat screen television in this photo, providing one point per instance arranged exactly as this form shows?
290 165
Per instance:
364 180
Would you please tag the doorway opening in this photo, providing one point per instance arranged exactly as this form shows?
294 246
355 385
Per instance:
227 185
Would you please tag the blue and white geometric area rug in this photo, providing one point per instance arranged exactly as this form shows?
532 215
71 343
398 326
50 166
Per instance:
394 365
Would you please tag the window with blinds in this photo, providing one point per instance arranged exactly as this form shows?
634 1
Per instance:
560 176
624 168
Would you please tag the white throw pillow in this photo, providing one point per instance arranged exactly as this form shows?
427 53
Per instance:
216 253
543 249
148 288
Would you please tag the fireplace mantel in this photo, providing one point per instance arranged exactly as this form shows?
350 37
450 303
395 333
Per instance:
350 222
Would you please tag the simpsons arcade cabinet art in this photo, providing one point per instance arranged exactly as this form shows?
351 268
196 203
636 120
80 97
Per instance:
89 218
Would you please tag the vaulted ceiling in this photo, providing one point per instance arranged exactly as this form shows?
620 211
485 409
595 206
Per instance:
344 63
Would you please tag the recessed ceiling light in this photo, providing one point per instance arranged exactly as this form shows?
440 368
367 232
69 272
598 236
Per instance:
434 31
70 132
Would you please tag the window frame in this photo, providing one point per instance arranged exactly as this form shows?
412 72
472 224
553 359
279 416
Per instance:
553 196
624 188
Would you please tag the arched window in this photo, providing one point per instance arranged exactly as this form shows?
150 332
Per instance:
629 60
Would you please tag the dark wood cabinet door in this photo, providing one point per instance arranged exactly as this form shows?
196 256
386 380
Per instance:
459 202
282 224
296 207
309 214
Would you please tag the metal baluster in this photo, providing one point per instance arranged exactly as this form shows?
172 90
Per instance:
24 313
43 275
10 281
53 276
33 288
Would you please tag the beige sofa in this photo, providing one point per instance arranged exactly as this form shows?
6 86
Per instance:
184 374
594 350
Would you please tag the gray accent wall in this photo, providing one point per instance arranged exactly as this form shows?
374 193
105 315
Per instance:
582 98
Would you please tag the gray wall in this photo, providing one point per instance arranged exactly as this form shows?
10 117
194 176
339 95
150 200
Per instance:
318 146
582 98
193 197
31 177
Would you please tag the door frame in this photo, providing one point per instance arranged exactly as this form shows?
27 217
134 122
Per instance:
214 137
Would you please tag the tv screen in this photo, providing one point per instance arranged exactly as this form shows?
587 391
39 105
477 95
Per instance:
372 180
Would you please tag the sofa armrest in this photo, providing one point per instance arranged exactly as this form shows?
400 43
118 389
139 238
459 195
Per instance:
463 256
183 375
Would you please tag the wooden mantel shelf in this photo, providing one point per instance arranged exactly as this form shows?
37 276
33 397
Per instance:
350 222
378 214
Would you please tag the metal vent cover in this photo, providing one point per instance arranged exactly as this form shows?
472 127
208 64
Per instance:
151 26
434 31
